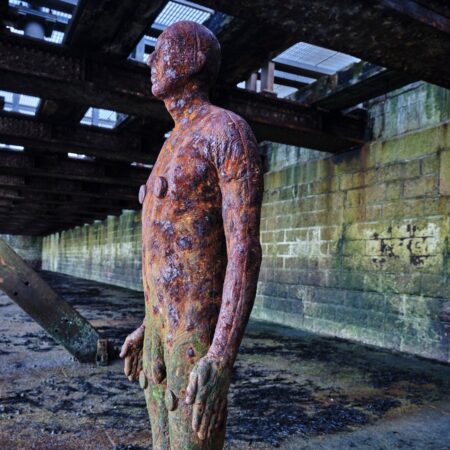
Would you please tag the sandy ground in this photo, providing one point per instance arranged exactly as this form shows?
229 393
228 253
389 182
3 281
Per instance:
291 390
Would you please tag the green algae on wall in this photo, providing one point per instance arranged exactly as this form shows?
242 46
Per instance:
356 245
29 248
108 251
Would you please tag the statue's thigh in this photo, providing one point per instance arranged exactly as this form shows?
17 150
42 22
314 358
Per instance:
187 349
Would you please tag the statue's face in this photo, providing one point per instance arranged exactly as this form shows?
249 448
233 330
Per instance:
168 66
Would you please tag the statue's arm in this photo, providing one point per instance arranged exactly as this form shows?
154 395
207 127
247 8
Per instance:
241 189
240 177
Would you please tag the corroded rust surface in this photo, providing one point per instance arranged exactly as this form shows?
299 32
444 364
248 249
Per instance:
201 249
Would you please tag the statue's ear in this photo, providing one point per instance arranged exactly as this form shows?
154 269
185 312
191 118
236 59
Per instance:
201 60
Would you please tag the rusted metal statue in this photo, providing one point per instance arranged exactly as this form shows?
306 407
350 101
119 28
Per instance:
201 249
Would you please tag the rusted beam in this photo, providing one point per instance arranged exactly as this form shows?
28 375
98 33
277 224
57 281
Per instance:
373 31
105 26
125 87
30 131
24 164
355 84
111 26
26 288
421 13
282 120
246 46
441 7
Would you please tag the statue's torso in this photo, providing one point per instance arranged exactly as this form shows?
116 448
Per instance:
184 255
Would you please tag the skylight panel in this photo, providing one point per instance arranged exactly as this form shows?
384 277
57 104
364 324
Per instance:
318 56
20 103
103 118
53 23
15 148
57 37
18 3
176 11
143 49
80 156
15 30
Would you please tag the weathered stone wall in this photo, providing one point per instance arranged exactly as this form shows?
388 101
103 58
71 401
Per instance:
108 251
27 247
357 246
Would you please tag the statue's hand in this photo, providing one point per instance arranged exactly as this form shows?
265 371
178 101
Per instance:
132 352
207 391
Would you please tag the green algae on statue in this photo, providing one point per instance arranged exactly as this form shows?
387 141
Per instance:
201 250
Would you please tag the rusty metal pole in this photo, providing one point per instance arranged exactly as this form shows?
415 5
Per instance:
26 288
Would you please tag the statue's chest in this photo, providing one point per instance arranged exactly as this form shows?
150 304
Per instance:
182 173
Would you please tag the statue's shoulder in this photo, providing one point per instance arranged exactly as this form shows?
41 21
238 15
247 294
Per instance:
227 125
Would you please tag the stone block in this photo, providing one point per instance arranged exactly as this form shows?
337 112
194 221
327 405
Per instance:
444 173
421 187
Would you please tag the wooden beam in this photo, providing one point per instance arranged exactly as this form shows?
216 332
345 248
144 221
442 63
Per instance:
355 84
24 130
83 190
24 164
374 31
60 202
58 318
125 87
300 68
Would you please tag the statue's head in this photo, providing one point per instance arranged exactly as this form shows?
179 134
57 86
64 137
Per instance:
185 52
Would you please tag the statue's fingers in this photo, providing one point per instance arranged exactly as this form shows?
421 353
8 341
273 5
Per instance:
191 390
127 366
131 370
135 368
204 372
199 405
197 414
222 411
212 424
203 430
124 349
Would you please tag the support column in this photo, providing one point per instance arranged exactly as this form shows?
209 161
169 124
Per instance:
267 78
250 84
26 288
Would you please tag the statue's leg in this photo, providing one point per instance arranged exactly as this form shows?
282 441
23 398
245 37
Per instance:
186 350
154 385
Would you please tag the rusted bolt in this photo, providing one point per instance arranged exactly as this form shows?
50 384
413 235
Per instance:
143 382
160 188
142 192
